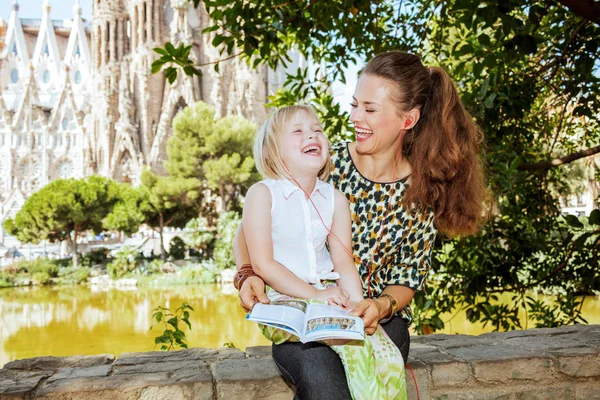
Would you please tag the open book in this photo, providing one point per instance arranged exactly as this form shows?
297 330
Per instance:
310 322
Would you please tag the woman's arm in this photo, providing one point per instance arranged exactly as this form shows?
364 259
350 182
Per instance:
257 232
374 310
341 253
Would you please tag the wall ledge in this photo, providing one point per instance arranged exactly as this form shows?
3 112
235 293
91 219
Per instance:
549 363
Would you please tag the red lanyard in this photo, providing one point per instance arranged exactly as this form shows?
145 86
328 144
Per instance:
348 251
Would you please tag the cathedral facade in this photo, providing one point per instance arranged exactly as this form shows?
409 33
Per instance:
78 98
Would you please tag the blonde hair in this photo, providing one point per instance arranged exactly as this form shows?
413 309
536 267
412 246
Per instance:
266 148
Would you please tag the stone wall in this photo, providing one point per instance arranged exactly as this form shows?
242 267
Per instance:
561 363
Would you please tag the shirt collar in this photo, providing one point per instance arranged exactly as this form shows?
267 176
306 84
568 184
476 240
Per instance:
289 188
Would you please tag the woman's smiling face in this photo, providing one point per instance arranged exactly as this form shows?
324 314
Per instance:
375 115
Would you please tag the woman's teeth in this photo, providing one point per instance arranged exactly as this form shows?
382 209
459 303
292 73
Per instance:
363 131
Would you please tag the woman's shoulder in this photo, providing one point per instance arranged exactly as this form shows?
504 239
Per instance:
338 150
340 161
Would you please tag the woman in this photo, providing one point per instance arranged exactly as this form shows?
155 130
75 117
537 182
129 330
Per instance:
413 170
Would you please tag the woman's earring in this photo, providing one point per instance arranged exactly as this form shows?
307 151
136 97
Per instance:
407 123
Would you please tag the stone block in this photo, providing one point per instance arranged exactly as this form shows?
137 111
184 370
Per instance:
580 364
421 375
500 364
450 373
195 391
70 373
172 366
550 342
454 341
209 355
445 369
259 352
587 391
474 394
547 393
18 384
249 379
50 363
196 384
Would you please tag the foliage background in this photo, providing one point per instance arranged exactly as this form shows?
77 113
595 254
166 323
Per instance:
528 73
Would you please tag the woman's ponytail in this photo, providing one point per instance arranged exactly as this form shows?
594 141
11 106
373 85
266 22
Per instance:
443 147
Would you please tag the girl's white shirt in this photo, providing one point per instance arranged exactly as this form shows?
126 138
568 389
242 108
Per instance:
297 232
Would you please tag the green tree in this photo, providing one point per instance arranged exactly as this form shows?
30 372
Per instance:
167 202
129 212
226 228
199 236
177 248
216 152
528 73
63 210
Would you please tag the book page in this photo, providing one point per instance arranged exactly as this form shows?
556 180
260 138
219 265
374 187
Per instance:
281 314
330 322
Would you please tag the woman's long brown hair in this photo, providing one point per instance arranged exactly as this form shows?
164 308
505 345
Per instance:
443 147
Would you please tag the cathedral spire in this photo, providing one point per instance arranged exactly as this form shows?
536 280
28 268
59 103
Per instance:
15 39
77 8
78 52
46 55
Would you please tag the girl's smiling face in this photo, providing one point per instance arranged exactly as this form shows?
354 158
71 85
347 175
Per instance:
375 116
304 147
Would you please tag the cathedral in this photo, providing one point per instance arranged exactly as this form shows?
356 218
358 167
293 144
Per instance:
78 98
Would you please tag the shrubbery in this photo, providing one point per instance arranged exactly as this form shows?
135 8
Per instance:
177 248
125 261
74 274
227 226
95 257
41 272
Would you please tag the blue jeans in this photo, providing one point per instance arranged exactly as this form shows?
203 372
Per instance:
317 372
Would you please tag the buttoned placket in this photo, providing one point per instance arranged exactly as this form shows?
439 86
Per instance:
312 258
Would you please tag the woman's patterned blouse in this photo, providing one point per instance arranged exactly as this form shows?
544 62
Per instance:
397 250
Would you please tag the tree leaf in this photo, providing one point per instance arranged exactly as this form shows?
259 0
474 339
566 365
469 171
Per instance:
573 221
161 51
594 218
489 101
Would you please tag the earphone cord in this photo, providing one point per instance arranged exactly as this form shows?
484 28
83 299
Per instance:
346 249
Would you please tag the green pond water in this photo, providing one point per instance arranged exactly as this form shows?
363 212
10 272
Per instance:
63 321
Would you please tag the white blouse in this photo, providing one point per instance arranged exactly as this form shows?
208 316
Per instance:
297 232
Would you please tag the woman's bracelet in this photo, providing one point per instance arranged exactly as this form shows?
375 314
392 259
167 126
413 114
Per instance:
242 274
394 305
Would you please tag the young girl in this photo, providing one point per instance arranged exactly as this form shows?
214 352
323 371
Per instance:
288 219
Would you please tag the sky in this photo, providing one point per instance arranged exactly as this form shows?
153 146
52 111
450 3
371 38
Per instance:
60 9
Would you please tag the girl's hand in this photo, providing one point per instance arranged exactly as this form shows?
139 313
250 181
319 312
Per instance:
333 295
252 292
371 311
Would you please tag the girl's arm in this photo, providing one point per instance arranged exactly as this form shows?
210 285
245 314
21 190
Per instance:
343 263
256 220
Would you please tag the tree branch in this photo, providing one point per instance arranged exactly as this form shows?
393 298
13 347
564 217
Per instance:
218 61
559 161
586 9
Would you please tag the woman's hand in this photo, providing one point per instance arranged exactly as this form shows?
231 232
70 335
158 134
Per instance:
252 292
371 311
